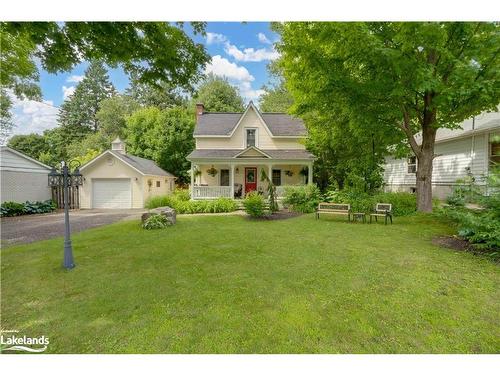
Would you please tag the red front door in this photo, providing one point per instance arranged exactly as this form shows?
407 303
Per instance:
250 179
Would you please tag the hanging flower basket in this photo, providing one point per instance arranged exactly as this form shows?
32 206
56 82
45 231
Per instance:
212 171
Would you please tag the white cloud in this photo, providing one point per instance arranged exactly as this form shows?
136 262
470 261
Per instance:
263 38
222 67
75 79
237 75
250 54
68 91
213 38
30 116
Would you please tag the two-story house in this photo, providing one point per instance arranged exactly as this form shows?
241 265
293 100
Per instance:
232 149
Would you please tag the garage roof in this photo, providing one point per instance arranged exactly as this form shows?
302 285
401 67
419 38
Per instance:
143 166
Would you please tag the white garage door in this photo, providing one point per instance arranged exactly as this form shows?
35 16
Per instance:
111 193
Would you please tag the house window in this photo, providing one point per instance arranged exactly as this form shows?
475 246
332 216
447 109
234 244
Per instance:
277 177
157 183
224 177
412 164
494 149
251 137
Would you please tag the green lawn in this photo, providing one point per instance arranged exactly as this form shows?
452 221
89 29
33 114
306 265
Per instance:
225 284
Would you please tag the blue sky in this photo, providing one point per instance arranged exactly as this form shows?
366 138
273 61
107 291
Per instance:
240 52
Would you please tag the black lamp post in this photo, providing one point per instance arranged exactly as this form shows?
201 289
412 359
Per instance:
65 178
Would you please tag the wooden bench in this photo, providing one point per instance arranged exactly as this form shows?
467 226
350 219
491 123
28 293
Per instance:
382 210
335 209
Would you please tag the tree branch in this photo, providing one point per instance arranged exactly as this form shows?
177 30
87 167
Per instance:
405 127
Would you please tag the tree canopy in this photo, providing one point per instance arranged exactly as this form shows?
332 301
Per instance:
276 98
401 79
218 95
165 136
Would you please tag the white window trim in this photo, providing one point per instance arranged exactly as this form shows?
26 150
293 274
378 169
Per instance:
408 164
245 145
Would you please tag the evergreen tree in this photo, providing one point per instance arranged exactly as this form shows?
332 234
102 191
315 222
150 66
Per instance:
78 114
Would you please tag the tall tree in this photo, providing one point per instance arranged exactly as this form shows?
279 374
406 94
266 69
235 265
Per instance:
32 144
218 95
409 78
113 113
165 136
276 98
163 95
172 56
78 113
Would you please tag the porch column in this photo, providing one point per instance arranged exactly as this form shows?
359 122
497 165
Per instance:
270 172
310 174
192 180
231 181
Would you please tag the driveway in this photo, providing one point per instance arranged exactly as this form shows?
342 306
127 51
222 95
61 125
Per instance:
31 228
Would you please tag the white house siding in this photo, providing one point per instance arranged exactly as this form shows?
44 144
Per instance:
21 179
455 156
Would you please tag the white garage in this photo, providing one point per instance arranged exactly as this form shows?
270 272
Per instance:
117 180
22 178
111 193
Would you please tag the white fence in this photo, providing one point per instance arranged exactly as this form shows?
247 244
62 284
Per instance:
209 192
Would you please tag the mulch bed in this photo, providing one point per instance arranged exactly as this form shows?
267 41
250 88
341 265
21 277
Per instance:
452 242
280 215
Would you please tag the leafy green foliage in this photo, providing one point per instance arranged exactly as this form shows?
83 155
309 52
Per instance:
113 113
156 221
165 136
480 226
217 95
32 145
254 204
183 206
172 57
302 198
27 208
392 79
403 204
271 192
275 98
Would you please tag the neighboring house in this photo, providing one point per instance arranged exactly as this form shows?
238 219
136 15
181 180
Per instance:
472 149
115 179
22 178
233 148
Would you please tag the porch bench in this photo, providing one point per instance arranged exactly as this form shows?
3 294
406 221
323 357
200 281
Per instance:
335 209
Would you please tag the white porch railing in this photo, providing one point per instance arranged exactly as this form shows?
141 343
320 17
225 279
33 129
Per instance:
210 192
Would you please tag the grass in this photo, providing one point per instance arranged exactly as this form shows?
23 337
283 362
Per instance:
225 284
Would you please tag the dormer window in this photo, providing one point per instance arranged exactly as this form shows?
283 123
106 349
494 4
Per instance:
251 135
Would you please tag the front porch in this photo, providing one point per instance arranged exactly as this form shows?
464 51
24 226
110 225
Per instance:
236 179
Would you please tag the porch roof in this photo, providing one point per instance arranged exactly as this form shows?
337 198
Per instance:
231 154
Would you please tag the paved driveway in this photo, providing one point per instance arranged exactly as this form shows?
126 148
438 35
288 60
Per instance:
30 228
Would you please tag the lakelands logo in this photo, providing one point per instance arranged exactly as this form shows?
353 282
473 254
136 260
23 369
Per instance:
11 341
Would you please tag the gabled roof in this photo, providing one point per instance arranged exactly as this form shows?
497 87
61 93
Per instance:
217 154
251 152
223 124
141 165
19 153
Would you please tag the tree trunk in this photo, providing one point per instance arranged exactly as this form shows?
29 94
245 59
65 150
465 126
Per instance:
424 170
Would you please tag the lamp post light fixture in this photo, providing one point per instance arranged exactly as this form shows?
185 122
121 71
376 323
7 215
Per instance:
65 178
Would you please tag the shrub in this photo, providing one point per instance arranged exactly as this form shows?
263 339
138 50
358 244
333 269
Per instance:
182 194
183 206
27 208
302 198
480 227
254 204
12 209
156 222
403 204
